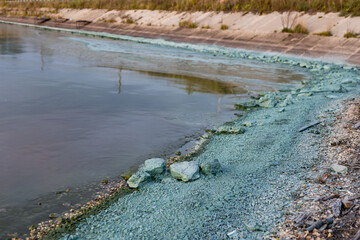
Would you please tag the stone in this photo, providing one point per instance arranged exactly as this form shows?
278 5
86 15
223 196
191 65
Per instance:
340 169
268 101
154 166
246 105
233 234
185 171
327 68
129 172
247 124
211 167
138 179
230 130
288 100
254 227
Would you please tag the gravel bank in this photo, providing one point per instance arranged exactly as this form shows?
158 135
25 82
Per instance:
262 171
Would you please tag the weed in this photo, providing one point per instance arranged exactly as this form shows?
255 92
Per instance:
287 30
325 34
350 35
187 24
224 27
300 29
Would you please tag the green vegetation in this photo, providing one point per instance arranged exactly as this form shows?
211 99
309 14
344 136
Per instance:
187 24
346 7
325 34
224 27
287 30
205 27
350 35
298 29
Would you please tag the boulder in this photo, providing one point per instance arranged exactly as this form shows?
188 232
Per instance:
229 130
138 179
211 167
340 169
185 171
154 166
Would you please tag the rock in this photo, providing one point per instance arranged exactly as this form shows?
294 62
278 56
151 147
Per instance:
246 105
254 228
53 215
211 168
154 166
288 100
229 130
247 124
138 179
327 68
268 101
340 169
233 234
185 171
129 172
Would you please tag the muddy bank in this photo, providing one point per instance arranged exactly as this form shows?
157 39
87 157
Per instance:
247 31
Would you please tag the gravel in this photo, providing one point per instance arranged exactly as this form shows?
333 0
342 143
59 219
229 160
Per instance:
262 171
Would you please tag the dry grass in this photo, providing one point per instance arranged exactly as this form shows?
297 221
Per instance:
324 34
187 24
346 7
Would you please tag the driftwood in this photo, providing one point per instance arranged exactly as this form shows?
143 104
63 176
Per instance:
357 125
309 126
337 208
301 218
353 197
328 197
320 223
316 225
357 236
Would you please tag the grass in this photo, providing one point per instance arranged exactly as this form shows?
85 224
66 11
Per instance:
297 29
187 24
300 29
346 7
350 35
287 30
224 27
325 34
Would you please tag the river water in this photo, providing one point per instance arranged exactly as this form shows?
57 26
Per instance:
75 110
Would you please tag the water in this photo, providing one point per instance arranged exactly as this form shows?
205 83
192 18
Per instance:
75 110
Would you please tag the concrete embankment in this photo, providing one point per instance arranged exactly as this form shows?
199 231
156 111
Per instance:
247 31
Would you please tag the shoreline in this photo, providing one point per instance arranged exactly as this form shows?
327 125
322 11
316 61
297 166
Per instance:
136 32
334 49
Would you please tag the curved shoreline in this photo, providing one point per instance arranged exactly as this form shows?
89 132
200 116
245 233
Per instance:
302 63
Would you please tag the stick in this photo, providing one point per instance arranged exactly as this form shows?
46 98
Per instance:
309 126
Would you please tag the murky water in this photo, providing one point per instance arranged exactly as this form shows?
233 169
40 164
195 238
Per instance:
75 110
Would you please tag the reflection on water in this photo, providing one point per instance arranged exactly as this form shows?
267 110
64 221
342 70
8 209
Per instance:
194 84
76 110
10 43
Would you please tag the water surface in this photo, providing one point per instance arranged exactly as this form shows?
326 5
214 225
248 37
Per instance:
75 110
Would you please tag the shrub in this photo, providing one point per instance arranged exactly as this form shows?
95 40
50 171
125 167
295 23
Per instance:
129 21
287 30
350 35
224 27
325 34
300 29
187 24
